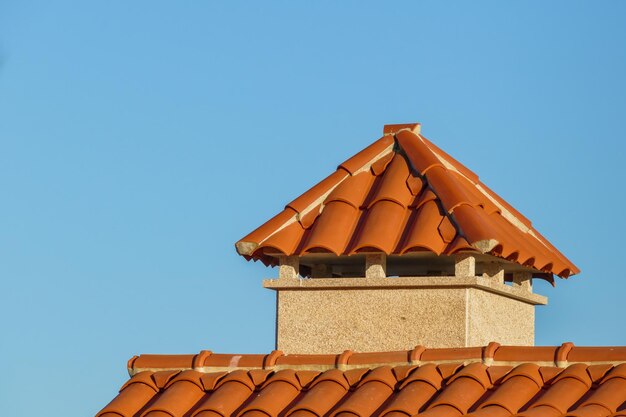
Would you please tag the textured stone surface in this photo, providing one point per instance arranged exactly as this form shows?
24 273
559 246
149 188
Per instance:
376 265
289 267
511 291
465 265
360 314
329 321
492 317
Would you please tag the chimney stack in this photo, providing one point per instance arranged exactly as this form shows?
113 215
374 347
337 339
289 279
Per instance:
402 246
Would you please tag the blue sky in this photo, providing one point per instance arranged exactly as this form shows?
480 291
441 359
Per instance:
140 140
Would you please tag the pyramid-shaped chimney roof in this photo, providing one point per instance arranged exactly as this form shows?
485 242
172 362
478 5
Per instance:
403 194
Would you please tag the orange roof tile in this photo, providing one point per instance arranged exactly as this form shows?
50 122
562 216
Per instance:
489 381
403 194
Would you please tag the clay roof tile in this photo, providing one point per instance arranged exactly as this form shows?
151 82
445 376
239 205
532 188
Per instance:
422 159
133 396
368 155
306 377
161 378
414 392
369 394
180 394
426 373
489 381
381 374
379 201
209 380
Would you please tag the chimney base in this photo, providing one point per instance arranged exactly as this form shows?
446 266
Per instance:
330 315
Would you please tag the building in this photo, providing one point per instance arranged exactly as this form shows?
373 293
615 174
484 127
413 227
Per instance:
404 287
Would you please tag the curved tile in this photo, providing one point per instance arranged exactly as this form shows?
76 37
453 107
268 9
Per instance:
541 354
594 386
516 214
248 244
379 166
354 376
477 228
462 391
369 395
452 355
420 156
565 390
424 197
133 396
234 360
307 220
455 163
421 232
306 377
377 357
381 228
460 244
274 396
319 399
449 190
333 228
353 190
296 360
392 185
162 378
157 413
414 392
519 248
604 353
229 394
478 196
367 155
164 361
180 395
610 394
317 192
285 241
517 389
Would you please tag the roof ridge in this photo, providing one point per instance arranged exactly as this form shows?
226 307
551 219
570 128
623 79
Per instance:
389 391
491 355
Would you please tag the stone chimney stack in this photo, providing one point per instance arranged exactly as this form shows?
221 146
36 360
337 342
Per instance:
402 246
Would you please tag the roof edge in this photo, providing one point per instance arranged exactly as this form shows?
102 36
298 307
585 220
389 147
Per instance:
492 354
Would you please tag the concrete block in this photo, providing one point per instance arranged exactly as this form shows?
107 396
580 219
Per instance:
376 265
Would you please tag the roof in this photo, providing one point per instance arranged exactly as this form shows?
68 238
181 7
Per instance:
399 195
486 381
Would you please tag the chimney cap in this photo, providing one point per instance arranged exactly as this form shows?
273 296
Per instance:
362 207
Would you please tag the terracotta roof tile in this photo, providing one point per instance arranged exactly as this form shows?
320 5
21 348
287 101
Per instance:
403 194
369 155
522 381
319 399
414 392
423 230
372 391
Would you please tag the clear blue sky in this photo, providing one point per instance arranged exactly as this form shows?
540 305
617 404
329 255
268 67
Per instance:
140 140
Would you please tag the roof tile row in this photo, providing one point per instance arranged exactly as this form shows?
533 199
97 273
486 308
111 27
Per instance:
493 353
453 387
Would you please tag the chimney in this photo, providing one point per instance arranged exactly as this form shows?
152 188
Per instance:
402 246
